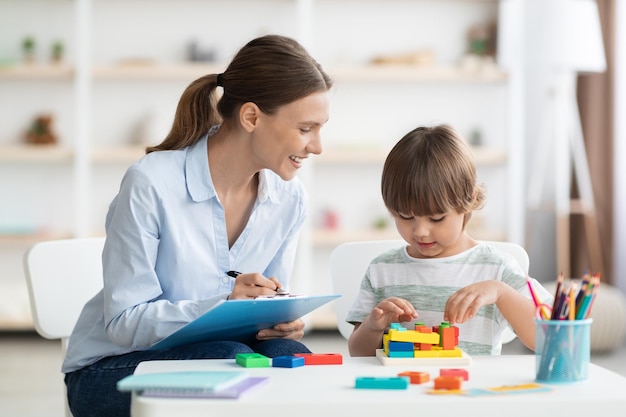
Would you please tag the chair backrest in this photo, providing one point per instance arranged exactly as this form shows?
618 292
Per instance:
62 275
349 261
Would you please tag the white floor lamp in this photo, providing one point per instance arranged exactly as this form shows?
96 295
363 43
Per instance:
565 42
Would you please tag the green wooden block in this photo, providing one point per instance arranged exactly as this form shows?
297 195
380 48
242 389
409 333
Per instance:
252 360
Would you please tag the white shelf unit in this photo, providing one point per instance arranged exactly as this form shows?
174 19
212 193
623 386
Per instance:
99 98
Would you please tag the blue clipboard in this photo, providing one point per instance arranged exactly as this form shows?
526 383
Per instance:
239 320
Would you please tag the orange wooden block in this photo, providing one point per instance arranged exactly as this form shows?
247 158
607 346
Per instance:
416 377
448 382
321 358
448 338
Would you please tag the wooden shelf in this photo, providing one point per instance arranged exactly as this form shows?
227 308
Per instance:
336 237
28 239
154 71
401 73
36 72
329 238
36 154
117 154
330 156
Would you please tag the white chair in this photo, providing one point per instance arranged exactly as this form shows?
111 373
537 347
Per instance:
349 261
61 276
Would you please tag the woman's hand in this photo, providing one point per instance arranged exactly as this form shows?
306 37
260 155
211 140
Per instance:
290 330
465 303
390 310
251 285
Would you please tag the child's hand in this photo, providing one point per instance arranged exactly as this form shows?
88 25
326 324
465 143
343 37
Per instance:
390 310
465 303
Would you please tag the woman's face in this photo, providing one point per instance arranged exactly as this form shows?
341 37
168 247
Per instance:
282 141
432 236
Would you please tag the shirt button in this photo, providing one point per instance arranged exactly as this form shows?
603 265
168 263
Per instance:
225 280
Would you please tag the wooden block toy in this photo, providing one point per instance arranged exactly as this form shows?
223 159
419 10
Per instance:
437 352
400 354
449 337
397 326
252 360
413 336
321 358
401 346
368 382
287 361
454 372
448 382
463 359
454 353
416 377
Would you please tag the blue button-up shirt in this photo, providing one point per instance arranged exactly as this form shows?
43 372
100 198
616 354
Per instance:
166 253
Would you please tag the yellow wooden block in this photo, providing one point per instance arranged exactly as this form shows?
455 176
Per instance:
413 336
454 353
426 353
438 353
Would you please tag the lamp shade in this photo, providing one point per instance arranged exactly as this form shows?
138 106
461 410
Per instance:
565 35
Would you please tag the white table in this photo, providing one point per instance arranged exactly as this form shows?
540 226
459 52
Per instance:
328 390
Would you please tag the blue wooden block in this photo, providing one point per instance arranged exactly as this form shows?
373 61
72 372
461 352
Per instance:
401 354
287 361
397 326
369 382
401 346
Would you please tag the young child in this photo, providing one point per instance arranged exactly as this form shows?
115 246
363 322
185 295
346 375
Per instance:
429 186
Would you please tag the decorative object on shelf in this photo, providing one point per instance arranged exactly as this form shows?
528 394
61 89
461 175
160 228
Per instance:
197 54
57 51
420 58
476 137
381 223
330 219
481 48
40 131
481 39
28 49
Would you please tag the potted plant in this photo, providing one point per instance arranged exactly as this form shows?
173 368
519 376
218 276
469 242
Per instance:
28 49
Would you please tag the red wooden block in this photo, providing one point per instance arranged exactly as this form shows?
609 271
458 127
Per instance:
321 358
455 372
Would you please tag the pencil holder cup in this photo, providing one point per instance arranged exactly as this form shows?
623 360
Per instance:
562 350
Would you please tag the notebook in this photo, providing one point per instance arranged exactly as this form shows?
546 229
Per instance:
182 383
234 391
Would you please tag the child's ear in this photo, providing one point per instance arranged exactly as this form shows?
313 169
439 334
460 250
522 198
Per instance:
249 116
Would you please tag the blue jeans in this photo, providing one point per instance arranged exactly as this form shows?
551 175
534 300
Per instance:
92 390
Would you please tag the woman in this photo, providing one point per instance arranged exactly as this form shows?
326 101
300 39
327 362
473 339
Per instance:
219 194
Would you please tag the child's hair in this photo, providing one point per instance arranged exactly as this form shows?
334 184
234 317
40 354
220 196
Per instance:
431 171
270 71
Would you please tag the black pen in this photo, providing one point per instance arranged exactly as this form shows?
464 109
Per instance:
235 274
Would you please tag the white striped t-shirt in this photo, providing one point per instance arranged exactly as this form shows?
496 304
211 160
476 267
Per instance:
428 283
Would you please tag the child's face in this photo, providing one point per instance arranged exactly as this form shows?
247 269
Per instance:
432 236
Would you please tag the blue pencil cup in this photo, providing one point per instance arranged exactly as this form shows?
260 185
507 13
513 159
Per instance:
562 350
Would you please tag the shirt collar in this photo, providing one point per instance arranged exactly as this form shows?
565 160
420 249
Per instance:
198 176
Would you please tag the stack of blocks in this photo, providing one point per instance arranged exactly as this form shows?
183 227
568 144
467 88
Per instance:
256 360
423 342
